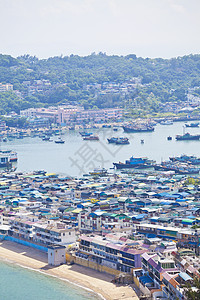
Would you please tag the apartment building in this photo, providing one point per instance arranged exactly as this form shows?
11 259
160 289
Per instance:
73 114
42 232
54 233
6 87
112 251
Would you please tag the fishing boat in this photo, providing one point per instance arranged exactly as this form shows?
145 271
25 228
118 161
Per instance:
99 172
118 141
166 122
191 159
122 141
112 140
192 125
135 162
46 138
84 133
187 136
91 138
138 128
59 141
177 167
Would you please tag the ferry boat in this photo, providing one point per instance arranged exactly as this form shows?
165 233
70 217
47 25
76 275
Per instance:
5 161
11 154
135 162
187 136
91 138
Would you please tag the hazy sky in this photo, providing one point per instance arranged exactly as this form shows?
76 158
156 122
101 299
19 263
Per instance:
147 28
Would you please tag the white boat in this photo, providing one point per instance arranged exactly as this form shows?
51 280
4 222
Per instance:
12 154
99 171
5 161
166 122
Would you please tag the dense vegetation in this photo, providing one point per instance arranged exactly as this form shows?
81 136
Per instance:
163 80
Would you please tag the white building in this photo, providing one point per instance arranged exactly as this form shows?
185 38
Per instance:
6 87
55 233
56 255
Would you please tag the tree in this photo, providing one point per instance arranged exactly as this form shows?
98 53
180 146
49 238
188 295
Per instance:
193 294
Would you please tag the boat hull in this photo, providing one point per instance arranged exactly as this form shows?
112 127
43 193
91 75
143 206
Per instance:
132 130
191 138
132 166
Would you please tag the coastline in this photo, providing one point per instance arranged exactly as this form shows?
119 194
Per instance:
93 281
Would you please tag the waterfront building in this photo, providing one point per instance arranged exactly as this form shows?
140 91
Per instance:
56 255
54 233
41 232
112 251
73 114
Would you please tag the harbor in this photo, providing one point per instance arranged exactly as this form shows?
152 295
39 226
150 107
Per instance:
76 156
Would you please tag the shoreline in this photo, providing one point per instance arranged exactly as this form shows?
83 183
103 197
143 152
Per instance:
82 277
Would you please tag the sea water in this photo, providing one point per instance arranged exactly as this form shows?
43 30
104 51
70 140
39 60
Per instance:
76 157
18 283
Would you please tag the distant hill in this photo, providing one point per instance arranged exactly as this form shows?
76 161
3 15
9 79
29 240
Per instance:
85 80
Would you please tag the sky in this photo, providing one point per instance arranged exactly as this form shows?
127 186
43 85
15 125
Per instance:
147 28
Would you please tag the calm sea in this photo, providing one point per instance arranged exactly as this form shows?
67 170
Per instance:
17 283
77 157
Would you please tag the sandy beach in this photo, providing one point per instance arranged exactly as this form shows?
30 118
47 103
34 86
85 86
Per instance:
98 282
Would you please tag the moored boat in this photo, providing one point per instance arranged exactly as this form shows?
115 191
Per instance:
138 128
135 162
11 154
46 138
91 138
5 161
192 125
84 133
112 140
99 172
166 122
191 159
187 136
122 141
59 141
177 167
118 141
